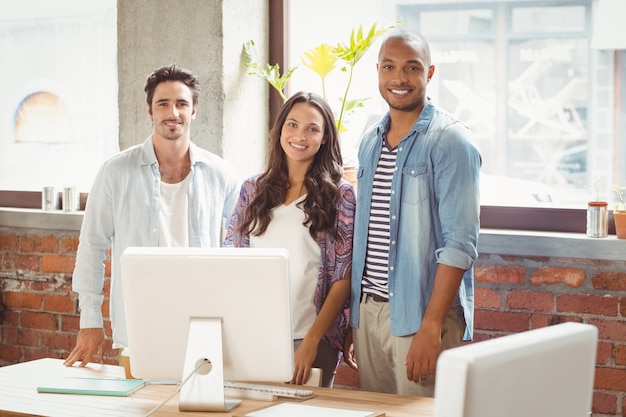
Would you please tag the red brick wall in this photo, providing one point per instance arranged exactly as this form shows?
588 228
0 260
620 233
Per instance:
40 312
513 294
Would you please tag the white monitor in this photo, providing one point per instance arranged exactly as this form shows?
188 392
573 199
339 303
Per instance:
228 305
543 372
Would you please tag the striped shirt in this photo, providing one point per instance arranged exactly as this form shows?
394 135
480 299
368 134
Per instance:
377 256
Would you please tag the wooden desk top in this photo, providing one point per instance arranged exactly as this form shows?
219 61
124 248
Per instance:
19 396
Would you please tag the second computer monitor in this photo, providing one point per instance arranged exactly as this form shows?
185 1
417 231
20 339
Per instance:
543 372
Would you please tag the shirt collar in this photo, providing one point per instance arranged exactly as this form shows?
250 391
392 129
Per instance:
195 154
420 126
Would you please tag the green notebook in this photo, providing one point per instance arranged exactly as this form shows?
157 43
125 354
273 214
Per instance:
92 386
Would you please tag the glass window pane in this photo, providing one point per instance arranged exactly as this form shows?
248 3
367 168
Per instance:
58 113
448 22
548 19
464 85
548 126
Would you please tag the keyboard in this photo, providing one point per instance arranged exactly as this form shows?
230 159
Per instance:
264 392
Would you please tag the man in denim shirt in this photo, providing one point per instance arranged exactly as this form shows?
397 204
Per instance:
164 192
416 228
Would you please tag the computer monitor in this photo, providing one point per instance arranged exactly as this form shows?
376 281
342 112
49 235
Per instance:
228 305
543 372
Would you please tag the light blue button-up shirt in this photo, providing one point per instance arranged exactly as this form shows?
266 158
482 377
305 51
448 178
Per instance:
123 210
434 216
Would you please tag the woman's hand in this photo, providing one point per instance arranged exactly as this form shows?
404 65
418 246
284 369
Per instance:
303 361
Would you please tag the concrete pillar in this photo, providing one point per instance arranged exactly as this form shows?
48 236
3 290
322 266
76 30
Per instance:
205 36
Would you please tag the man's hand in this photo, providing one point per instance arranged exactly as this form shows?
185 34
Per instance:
88 342
348 350
421 361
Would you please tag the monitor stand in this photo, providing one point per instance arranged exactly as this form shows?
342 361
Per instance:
204 391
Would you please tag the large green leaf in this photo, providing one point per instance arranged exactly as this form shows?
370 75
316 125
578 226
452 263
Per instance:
270 73
322 59
352 51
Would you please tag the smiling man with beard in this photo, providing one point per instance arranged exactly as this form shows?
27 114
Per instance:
164 192
415 230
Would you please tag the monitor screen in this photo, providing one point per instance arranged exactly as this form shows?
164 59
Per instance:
227 305
542 372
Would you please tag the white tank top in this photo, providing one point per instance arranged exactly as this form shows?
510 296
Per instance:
287 231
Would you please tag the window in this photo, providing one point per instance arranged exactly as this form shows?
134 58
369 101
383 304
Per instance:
519 76
58 112
542 104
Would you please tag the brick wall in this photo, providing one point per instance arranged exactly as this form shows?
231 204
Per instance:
39 316
513 294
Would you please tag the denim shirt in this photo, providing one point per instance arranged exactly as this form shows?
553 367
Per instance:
434 216
123 210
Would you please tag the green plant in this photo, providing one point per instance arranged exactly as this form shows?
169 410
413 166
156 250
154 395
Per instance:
270 73
620 196
323 60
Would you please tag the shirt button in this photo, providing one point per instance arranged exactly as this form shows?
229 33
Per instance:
393 242
412 172
391 268
400 149
390 294
393 191
393 217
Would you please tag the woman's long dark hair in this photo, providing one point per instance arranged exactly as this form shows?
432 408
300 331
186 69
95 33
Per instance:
321 179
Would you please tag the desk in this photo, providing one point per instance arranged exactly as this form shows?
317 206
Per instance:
19 397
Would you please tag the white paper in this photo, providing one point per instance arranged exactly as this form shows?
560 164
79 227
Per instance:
301 410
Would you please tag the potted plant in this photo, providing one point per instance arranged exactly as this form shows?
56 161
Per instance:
619 214
323 60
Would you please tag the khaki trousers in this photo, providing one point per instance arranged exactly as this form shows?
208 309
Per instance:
381 356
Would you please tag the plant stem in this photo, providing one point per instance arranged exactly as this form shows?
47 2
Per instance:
345 97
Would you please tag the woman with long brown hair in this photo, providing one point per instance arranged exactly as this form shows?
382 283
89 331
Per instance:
301 203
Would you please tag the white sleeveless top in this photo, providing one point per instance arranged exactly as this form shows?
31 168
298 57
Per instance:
287 231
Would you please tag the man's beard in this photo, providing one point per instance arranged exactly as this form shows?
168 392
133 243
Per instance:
404 107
